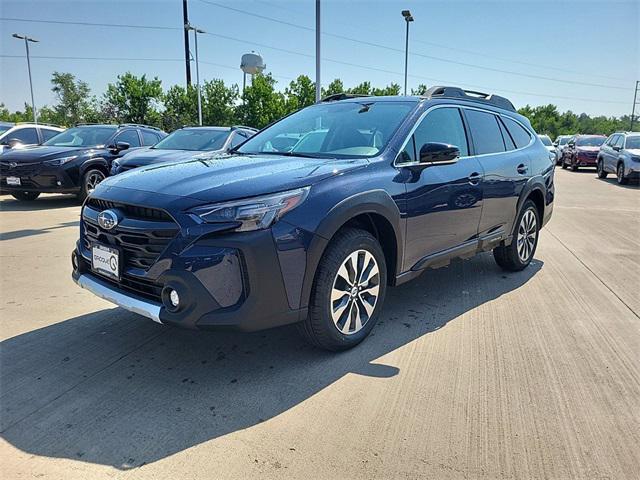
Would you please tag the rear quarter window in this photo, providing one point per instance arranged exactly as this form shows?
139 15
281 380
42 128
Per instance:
485 132
520 135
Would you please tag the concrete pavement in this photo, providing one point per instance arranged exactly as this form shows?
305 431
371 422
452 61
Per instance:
471 373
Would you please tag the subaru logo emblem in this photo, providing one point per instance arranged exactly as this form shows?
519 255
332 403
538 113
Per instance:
13 165
107 219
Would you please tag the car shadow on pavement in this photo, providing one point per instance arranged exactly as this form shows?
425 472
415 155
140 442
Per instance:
33 231
115 389
47 202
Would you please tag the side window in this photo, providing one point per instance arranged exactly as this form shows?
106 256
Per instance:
236 139
408 154
129 136
442 125
619 141
47 134
508 141
149 138
520 136
485 132
27 136
611 141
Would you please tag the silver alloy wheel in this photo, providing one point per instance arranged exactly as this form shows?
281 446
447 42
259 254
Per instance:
355 292
527 233
93 179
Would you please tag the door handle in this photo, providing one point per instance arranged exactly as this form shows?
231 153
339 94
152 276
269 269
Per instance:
474 178
522 169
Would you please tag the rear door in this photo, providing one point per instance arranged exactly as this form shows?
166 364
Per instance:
444 201
498 143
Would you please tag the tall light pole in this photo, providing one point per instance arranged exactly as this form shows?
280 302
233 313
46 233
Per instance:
408 18
196 31
633 110
318 51
26 45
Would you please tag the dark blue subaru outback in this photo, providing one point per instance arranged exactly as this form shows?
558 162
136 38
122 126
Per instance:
311 219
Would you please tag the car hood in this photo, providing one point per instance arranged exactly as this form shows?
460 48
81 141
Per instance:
148 156
42 153
228 177
634 151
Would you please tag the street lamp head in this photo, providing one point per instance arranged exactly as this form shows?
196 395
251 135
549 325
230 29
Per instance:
407 15
24 37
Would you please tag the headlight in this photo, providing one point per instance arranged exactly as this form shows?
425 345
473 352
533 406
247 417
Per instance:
635 158
254 213
59 161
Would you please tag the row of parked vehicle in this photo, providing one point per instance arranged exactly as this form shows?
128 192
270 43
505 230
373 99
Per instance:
76 160
618 154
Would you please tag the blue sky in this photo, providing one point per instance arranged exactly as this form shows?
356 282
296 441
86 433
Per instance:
579 55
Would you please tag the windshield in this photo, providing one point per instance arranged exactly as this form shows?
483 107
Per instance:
193 139
563 140
4 128
590 141
545 140
633 142
332 130
82 137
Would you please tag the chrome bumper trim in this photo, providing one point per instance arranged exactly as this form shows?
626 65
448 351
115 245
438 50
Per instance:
129 302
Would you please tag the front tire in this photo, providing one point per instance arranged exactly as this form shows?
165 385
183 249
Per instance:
25 196
564 164
574 165
518 255
90 180
602 173
620 176
348 291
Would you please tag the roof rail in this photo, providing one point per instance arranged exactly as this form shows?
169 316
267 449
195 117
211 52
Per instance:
39 123
141 125
473 96
235 127
342 96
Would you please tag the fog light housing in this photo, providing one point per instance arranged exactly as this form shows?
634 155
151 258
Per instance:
74 261
171 299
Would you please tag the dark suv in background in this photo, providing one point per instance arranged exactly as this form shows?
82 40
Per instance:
620 154
183 144
582 151
312 232
74 161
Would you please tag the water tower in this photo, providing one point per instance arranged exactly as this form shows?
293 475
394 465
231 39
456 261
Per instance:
251 63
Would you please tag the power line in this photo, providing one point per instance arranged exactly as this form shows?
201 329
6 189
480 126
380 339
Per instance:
339 62
90 24
431 57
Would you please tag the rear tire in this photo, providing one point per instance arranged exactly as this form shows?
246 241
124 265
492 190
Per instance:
348 291
602 173
620 176
90 180
574 166
25 196
564 164
518 255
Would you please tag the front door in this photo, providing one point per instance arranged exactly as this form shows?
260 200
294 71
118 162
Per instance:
443 201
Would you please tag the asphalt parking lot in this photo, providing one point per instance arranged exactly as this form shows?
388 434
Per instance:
471 373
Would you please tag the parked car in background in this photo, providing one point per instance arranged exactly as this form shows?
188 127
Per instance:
582 151
182 144
273 234
560 144
15 136
620 154
74 161
546 141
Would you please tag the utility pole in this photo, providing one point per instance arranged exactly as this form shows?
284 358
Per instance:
318 86
408 18
196 31
633 109
26 46
187 59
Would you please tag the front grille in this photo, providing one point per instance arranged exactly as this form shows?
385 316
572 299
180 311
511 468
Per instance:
19 169
131 211
143 288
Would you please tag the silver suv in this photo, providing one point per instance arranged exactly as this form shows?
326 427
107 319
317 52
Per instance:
620 154
22 134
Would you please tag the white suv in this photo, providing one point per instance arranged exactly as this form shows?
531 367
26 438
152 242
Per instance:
23 134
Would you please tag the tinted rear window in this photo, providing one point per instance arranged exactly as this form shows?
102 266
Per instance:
485 132
590 141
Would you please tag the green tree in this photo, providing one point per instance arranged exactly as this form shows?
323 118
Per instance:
218 103
299 94
133 99
180 107
74 101
262 104
335 87
421 90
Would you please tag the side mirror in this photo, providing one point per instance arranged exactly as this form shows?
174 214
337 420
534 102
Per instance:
617 148
434 152
119 146
13 142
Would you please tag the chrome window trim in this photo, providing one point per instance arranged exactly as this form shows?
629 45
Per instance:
532 135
